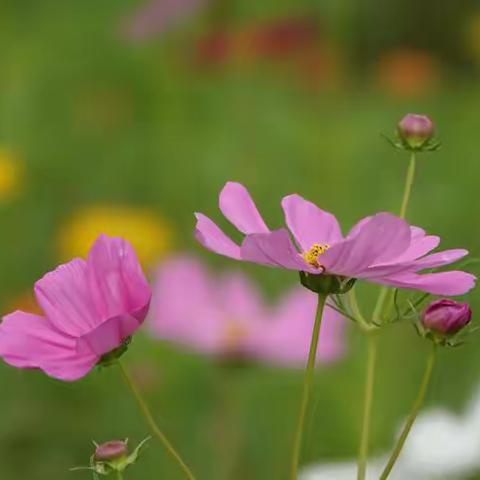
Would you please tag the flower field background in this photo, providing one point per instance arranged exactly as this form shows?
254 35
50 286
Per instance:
108 124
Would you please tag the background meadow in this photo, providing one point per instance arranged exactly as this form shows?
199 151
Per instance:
117 122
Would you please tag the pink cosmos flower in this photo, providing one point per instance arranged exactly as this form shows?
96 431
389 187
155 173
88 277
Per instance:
90 308
225 316
158 16
382 248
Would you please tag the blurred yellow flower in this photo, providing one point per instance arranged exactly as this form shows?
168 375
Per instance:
149 234
11 173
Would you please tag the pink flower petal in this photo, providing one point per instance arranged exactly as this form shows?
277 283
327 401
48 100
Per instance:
187 308
284 339
31 341
275 249
117 283
443 283
64 296
239 208
430 261
212 238
418 248
109 335
440 259
380 239
308 223
239 297
354 231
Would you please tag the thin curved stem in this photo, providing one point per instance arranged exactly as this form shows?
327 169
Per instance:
352 296
367 407
119 475
307 384
151 422
408 185
413 414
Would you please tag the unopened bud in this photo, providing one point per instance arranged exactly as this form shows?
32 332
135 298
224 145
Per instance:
446 317
112 450
415 130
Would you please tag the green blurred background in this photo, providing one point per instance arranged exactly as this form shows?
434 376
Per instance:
110 120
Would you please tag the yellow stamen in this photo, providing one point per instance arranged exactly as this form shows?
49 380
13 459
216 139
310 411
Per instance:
311 257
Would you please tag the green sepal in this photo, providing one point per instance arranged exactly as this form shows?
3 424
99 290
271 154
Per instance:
326 284
111 357
430 145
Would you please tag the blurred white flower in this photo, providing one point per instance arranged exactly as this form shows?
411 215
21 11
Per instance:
441 446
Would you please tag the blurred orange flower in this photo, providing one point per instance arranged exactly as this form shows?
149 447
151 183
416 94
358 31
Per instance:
26 302
11 174
407 73
149 234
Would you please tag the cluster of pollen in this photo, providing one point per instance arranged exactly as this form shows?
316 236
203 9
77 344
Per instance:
311 257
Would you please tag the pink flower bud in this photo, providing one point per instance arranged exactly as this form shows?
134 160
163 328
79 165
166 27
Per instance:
415 130
111 450
446 316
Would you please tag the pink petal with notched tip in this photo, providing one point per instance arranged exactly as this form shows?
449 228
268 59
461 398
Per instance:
380 239
238 207
212 238
442 283
31 341
310 224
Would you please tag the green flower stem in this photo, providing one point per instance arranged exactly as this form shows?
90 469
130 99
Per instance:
383 297
367 408
369 384
307 384
383 302
151 422
408 185
119 475
413 414
352 297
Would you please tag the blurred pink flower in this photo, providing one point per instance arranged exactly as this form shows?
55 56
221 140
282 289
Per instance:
225 316
381 249
90 308
158 16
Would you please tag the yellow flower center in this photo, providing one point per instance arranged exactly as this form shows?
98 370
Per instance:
233 335
311 257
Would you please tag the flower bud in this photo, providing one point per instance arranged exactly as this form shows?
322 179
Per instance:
112 450
446 317
415 130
